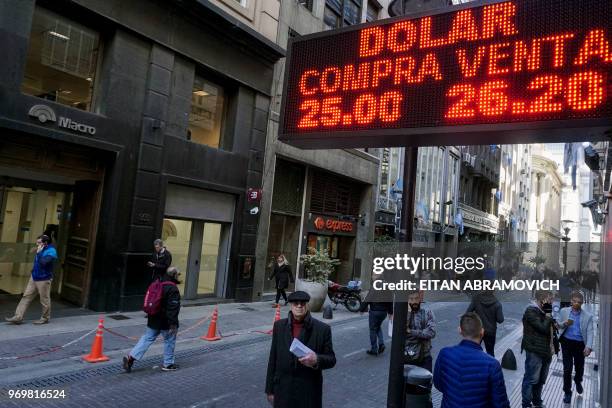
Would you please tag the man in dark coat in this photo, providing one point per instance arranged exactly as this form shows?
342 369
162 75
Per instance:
538 343
282 273
294 382
161 259
165 322
466 376
490 311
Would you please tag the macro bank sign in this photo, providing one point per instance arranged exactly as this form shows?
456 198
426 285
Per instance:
45 114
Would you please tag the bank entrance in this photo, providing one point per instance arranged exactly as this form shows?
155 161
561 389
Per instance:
53 190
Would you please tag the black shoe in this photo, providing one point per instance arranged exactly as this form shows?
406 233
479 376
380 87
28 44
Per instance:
381 348
579 388
128 362
171 367
567 399
372 352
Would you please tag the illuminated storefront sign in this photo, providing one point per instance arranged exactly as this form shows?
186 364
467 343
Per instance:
332 225
526 64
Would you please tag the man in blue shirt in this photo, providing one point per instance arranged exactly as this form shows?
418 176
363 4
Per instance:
466 375
576 342
39 283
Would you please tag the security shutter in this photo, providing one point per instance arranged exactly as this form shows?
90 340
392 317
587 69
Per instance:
334 194
288 188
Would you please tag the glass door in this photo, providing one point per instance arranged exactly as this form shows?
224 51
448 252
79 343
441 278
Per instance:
200 250
26 213
209 258
176 235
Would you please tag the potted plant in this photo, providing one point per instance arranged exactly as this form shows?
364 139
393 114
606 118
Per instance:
317 267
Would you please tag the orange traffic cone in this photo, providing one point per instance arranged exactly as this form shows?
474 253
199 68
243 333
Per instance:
96 356
276 318
212 329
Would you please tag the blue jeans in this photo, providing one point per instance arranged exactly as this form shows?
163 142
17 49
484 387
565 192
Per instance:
536 371
148 338
375 320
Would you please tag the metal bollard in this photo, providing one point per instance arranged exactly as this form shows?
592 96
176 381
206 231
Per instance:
417 387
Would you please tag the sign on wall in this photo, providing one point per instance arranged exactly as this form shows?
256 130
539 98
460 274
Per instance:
502 70
332 225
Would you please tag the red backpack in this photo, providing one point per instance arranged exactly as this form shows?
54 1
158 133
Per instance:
153 298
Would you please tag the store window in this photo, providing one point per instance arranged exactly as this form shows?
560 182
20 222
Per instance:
62 60
207 113
324 242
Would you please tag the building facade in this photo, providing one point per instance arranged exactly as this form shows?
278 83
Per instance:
479 179
437 196
388 201
513 194
576 190
308 194
119 127
545 207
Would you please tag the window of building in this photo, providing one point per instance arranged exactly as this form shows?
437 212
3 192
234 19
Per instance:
340 13
372 11
306 3
384 172
207 113
62 60
324 242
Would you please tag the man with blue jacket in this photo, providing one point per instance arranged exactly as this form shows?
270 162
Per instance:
576 343
40 282
466 375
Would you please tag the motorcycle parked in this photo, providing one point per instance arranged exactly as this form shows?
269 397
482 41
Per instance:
349 296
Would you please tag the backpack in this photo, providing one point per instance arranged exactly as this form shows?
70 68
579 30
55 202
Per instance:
153 298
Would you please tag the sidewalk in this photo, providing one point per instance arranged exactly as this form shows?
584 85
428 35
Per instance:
553 389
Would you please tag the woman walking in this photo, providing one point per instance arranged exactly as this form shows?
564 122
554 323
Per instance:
282 273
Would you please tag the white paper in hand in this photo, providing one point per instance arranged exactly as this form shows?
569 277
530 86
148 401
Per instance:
299 349
390 331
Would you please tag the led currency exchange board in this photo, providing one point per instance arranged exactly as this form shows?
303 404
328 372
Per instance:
507 72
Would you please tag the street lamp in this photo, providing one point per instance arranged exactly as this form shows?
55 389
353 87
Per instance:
580 260
566 239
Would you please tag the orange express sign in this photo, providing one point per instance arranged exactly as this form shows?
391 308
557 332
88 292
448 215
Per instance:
332 225
529 64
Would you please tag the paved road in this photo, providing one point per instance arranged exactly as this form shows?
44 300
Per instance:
234 376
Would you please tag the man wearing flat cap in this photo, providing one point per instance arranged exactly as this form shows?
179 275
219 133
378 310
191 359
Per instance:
298 382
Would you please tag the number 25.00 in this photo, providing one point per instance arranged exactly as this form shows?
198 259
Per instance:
366 109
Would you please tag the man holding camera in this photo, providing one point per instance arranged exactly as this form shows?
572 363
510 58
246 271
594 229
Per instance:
576 343
39 283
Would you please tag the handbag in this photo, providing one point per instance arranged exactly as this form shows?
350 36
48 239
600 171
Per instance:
414 353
